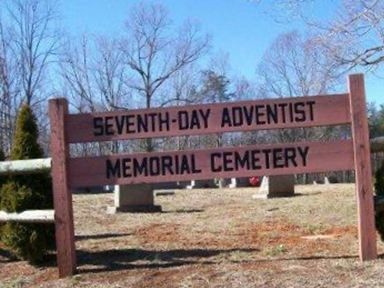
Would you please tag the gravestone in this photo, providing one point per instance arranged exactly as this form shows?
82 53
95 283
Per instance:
133 198
277 186
239 182
233 183
242 182
196 184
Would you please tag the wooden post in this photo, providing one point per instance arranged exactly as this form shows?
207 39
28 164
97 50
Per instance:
66 253
364 187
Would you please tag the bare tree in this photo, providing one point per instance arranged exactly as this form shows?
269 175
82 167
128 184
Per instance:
153 54
295 66
35 43
28 43
75 68
6 97
94 80
353 37
356 36
110 74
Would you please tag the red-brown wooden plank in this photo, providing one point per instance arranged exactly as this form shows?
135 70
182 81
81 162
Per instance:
317 111
66 254
364 194
321 157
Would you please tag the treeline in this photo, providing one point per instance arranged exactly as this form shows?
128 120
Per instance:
156 63
376 120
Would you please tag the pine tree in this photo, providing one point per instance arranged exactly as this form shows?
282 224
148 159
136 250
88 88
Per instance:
27 192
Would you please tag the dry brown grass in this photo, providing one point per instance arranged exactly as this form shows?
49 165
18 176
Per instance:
214 238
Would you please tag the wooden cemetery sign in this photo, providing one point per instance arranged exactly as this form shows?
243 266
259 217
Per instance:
277 159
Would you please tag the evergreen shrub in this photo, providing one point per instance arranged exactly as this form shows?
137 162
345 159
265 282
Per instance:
27 192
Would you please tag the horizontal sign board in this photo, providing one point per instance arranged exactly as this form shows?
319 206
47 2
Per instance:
255 160
209 118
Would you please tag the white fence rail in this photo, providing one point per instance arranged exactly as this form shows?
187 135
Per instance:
29 216
27 167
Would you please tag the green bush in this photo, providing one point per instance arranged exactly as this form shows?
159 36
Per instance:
379 188
27 192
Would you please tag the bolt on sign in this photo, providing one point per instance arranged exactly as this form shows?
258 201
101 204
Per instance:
274 159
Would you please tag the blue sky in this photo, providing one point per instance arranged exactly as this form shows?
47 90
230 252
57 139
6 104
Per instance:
240 28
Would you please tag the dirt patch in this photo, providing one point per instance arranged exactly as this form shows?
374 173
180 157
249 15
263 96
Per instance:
213 238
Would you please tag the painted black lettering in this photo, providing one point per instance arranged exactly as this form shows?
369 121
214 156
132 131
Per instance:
126 166
164 122
255 160
154 166
205 116
109 125
267 158
277 156
152 118
272 114
228 161
119 120
183 120
195 122
166 165
140 168
304 154
242 161
283 106
225 118
142 124
290 157
291 112
177 164
130 120
311 114
184 167
195 170
98 126
248 114
237 116
214 167
113 169
300 112
259 114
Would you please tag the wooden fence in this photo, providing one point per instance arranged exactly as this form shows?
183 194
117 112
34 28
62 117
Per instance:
47 216
69 173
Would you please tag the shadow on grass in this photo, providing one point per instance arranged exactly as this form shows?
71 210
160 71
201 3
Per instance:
380 256
308 258
123 259
101 236
182 211
49 259
306 194
6 256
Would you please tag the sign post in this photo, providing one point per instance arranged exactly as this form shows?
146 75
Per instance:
254 160
363 173
62 196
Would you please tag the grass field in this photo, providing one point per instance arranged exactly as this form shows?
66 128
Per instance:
214 238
